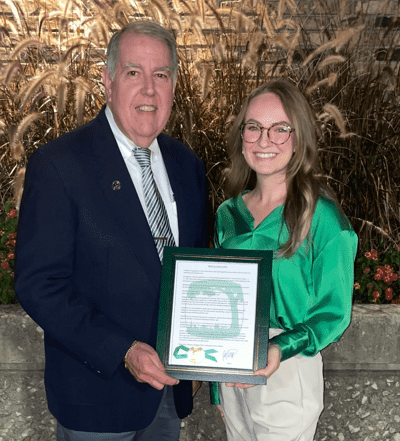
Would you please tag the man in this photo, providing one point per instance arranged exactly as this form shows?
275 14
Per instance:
88 264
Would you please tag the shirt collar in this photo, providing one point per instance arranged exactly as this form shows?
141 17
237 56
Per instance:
124 143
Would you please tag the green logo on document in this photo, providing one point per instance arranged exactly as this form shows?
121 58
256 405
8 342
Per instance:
195 355
231 294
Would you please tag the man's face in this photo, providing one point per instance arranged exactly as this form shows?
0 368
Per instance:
141 94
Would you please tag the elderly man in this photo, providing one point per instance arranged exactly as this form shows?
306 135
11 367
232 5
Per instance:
99 205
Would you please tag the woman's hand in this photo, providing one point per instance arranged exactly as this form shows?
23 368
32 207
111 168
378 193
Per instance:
221 412
196 385
274 360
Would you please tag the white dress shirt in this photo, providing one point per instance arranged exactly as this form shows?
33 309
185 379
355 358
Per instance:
126 147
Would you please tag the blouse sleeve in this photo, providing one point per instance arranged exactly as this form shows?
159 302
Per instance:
214 394
330 306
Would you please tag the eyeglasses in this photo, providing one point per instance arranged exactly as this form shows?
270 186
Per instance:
278 133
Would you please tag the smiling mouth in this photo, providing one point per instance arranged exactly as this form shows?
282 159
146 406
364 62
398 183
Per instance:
146 108
265 155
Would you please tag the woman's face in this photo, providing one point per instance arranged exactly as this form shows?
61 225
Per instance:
263 156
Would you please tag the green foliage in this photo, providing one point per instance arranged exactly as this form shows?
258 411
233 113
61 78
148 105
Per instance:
8 227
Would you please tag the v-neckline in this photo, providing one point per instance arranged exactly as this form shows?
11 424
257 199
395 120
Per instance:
248 214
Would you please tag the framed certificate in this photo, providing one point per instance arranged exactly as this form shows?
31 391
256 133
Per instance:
214 314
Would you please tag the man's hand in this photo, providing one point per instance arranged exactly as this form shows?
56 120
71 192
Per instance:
144 364
274 361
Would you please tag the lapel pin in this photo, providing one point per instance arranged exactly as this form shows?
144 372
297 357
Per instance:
116 185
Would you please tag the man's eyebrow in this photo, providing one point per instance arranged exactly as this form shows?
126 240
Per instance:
164 69
132 65
158 69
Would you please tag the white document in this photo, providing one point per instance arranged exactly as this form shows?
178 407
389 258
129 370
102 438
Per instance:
213 315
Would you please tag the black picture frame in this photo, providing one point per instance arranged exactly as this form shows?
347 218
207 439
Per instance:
193 369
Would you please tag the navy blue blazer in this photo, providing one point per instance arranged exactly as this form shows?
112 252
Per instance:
87 271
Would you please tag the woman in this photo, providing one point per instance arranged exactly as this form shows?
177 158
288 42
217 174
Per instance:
273 151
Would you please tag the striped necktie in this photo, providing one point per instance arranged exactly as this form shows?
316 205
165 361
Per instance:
156 212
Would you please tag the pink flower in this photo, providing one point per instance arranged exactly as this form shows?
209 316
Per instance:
378 276
12 213
5 265
366 270
368 255
388 293
356 286
387 279
374 255
376 295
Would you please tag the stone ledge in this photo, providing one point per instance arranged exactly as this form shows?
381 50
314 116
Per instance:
371 342
21 367
21 340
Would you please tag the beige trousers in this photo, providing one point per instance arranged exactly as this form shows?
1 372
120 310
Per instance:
287 408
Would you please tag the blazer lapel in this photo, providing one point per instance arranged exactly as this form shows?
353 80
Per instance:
124 204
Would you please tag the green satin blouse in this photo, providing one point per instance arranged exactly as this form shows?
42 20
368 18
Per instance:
312 295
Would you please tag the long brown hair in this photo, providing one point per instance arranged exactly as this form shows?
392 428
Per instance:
303 186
